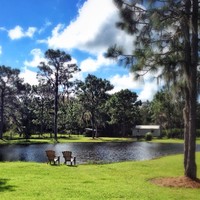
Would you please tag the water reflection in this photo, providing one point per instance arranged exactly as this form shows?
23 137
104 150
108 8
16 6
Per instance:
91 152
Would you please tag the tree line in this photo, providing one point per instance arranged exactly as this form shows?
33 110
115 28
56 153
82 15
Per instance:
60 104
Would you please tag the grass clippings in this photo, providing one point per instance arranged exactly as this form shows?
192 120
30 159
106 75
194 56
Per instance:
179 182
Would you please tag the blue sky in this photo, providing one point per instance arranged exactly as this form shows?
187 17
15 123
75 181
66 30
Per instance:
82 28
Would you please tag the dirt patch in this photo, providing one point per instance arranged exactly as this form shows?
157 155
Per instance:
183 182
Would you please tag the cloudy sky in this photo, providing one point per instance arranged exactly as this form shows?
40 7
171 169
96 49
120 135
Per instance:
82 28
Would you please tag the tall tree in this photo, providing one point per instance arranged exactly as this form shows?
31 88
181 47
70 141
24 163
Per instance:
25 115
145 113
93 95
166 111
43 100
70 115
166 35
10 85
58 72
123 110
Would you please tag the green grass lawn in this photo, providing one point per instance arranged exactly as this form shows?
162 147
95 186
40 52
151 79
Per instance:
173 140
125 180
63 138
72 138
81 138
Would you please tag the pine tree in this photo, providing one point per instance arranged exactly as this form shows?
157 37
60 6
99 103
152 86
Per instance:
165 35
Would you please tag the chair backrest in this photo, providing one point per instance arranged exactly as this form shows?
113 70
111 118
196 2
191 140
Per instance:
67 155
50 154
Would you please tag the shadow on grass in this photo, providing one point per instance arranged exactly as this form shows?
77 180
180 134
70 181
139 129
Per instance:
54 165
4 186
31 142
71 165
58 165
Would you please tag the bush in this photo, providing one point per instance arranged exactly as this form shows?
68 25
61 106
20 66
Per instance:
148 136
198 132
173 133
176 133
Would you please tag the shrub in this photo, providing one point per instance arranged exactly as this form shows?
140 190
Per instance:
148 136
175 133
198 132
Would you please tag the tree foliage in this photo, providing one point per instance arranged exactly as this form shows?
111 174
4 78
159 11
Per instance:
166 110
10 86
25 114
165 41
123 110
93 94
43 101
58 72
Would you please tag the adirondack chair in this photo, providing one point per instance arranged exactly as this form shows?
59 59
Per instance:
67 155
52 158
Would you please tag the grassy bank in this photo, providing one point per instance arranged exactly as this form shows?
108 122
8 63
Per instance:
81 138
172 140
126 180
72 138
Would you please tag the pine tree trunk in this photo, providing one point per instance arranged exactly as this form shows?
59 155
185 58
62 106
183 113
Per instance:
186 131
1 115
191 168
93 125
56 108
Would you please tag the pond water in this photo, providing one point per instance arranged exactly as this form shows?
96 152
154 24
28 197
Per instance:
91 152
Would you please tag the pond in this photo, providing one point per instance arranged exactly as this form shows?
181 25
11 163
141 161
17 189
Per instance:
91 152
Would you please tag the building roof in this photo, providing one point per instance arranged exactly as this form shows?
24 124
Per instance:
147 127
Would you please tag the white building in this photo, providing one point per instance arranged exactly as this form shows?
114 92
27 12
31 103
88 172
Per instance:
141 130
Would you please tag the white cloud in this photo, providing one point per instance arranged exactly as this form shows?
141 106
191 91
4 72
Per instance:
145 88
91 65
29 77
43 41
148 91
37 58
124 82
30 32
150 86
3 29
46 25
18 32
0 50
92 31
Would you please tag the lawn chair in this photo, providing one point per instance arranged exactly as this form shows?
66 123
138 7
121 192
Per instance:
67 155
52 157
